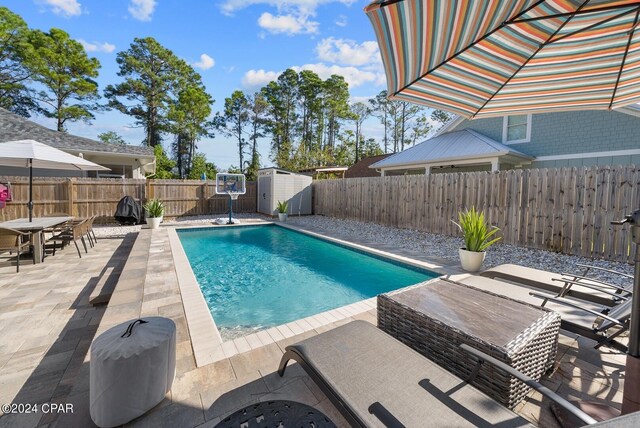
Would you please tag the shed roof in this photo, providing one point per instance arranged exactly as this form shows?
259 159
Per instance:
450 147
14 127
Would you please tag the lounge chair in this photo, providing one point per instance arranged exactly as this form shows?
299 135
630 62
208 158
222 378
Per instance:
14 240
596 325
566 284
576 315
375 380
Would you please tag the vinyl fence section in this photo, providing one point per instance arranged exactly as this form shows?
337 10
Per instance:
85 197
566 210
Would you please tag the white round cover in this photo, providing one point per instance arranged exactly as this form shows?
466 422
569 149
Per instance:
130 375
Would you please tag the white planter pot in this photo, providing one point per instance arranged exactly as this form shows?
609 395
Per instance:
283 216
154 222
471 261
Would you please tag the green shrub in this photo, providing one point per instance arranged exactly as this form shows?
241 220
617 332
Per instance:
475 230
154 208
282 206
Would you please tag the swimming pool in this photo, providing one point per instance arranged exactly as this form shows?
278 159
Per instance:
256 277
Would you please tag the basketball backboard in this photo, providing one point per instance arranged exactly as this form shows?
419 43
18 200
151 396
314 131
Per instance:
230 184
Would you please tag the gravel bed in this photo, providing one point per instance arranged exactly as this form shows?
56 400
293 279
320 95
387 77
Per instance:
431 244
447 247
116 230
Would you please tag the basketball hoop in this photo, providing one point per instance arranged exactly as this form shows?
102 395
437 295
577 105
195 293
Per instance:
234 196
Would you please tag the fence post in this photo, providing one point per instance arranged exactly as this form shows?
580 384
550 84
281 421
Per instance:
148 191
71 196
203 199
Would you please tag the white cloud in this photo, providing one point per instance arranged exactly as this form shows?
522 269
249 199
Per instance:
97 46
348 52
287 24
341 21
142 9
303 6
256 78
292 17
353 76
64 7
205 63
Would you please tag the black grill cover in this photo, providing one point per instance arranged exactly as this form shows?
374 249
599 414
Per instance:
129 211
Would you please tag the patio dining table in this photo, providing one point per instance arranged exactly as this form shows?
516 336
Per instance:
35 227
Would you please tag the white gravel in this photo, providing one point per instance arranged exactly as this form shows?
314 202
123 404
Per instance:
431 244
447 247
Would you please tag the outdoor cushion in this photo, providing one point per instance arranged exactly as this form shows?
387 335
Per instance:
131 370
544 280
382 382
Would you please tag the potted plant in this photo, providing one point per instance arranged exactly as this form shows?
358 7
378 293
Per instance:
282 210
477 238
155 211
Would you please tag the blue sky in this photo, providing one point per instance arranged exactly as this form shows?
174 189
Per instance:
234 44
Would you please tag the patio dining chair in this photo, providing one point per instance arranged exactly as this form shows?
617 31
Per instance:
91 234
14 240
72 232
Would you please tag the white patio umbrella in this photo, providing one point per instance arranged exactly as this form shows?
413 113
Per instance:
32 154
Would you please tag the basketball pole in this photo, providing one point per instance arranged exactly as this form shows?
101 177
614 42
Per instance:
230 209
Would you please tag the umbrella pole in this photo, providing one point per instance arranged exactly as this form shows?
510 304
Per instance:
631 395
30 203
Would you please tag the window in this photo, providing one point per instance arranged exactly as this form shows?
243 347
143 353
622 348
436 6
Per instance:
516 129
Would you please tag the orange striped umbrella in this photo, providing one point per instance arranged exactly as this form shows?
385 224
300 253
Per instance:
482 58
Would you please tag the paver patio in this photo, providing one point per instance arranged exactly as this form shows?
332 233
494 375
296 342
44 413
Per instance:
47 324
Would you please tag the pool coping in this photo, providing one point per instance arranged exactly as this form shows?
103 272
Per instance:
206 341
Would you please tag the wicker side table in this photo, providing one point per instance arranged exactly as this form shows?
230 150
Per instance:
434 318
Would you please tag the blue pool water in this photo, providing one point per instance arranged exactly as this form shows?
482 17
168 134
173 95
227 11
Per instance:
257 277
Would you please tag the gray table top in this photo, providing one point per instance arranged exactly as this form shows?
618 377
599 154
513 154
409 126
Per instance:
492 318
38 223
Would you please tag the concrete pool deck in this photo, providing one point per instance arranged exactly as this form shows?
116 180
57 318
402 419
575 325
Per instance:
47 324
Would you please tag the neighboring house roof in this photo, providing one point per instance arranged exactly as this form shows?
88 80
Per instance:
451 147
14 127
361 168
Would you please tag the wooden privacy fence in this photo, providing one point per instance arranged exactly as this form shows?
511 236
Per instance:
567 210
85 197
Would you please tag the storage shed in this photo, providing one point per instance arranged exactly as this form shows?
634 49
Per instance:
280 185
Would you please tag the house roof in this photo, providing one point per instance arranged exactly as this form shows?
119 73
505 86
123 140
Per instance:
451 147
361 168
14 127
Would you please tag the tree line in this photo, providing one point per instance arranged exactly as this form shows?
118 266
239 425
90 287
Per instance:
309 121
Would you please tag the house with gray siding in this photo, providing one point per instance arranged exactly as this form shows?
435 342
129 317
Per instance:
579 138
123 160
